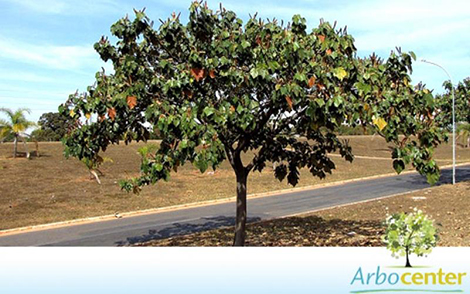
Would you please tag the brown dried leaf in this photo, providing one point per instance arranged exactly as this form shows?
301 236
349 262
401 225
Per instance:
188 93
112 113
197 73
289 101
212 74
311 81
321 38
131 101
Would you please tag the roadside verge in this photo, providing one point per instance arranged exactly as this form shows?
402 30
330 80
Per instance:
192 205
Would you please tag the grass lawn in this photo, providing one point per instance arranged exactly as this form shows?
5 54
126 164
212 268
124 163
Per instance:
358 224
51 188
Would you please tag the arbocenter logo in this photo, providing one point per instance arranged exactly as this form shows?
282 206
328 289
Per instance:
407 280
407 234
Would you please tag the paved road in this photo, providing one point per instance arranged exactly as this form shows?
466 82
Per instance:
125 231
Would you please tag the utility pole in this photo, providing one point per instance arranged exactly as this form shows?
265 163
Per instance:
453 116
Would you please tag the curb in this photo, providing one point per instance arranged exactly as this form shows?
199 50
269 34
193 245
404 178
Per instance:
352 203
213 202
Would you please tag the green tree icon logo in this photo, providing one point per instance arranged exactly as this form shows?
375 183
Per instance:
409 233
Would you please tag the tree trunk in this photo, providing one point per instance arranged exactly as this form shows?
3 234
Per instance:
15 146
94 175
25 147
37 148
240 223
407 258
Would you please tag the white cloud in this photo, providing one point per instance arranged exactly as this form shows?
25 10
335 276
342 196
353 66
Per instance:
67 7
58 94
50 56
21 102
46 6
382 14
438 35
25 77
375 24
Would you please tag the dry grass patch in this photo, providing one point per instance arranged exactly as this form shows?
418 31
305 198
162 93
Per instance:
375 146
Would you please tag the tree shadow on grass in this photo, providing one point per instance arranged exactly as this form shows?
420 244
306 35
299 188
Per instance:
179 229
292 231
32 154
314 230
383 149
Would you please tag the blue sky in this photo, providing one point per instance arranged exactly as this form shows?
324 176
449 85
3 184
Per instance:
46 46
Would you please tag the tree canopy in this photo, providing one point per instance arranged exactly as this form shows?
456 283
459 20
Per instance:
16 122
54 126
15 126
215 88
462 103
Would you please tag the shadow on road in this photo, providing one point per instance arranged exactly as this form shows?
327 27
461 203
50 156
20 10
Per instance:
462 174
178 229
210 223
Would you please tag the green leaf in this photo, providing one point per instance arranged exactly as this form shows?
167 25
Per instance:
337 101
296 46
280 172
300 77
340 73
320 102
428 98
398 165
158 166
240 109
208 111
254 73
245 44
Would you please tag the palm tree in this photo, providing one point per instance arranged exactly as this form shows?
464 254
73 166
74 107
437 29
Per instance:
463 131
15 127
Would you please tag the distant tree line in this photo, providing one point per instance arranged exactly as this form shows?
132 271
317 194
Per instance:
52 127
462 109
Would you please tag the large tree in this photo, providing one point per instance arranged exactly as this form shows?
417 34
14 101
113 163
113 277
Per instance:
215 88
461 92
15 126
54 126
